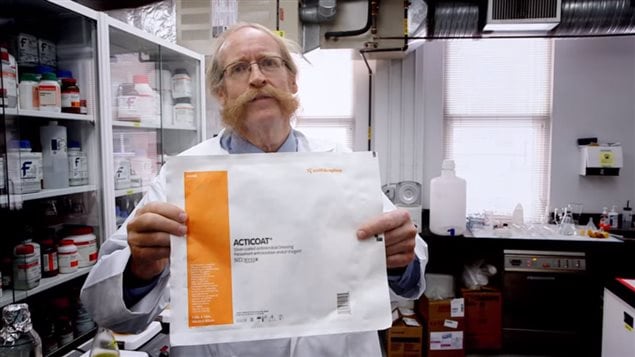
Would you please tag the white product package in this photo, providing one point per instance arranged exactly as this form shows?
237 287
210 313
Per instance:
271 249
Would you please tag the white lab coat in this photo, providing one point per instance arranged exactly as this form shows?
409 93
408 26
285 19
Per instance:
102 292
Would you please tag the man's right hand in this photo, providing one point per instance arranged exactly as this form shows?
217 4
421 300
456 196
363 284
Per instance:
149 237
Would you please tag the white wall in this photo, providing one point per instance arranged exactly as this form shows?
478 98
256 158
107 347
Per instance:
594 95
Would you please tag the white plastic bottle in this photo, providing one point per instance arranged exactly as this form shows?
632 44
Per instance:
9 83
77 164
67 256
50 93
447 202
29 92
148 101
54 155
518 215
25 168
613 218
627 216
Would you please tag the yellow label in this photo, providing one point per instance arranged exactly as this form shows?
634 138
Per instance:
280 33
136 124
607 158
208 249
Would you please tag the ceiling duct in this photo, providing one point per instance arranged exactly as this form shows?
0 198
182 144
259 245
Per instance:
593 17
522 15
456 19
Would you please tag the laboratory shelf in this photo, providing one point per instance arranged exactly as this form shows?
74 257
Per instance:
46 193
135 124
9 296
130 191
54 192
49 115
180 127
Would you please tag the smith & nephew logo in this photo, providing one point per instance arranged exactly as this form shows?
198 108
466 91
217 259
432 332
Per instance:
324 170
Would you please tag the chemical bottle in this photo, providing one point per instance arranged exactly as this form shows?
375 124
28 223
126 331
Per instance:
613 218
8 82
77 164
70 96
50 93
627 216
447 202
518 216
67 257
54 155
29 92
25 168
26 269
104 344
181 84
148 101
604 219
17 336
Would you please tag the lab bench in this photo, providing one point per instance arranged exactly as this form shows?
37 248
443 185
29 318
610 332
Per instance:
561 307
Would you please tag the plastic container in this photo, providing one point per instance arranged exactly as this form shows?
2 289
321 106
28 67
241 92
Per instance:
77 165
148 102
447 202
627 216
49 259
127 106
54 155
67 257
26 270
25 168
614 218
3 188
70 96
86 243
50 93
8 84
183 113
28 239
29 92
181 84
518 216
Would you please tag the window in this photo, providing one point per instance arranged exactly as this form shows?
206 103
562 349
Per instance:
325 90
497 111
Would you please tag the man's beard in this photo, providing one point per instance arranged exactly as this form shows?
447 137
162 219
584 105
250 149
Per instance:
234 111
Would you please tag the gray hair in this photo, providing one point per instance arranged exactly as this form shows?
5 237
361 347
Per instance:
214 72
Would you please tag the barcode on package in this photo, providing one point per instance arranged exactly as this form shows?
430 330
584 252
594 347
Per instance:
343 303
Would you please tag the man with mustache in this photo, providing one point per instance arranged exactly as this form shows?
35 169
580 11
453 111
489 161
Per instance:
254 79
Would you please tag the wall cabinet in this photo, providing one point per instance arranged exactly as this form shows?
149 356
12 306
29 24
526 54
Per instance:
75 162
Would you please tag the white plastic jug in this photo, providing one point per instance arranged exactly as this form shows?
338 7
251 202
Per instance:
447 202
54 155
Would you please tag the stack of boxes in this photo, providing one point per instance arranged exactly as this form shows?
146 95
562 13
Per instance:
448 327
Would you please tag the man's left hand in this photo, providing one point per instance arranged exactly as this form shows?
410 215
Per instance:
400 235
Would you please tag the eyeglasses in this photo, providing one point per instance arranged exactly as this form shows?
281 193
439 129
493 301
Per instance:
268 65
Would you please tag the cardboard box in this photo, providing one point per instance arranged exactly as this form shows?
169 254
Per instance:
444 325
405 337
483 319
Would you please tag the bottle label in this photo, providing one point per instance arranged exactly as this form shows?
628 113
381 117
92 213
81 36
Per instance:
78 166
127 107
48 95
181 86
70 100
49 262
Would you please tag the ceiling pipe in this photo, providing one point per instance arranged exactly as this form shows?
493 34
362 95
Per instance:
323 11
